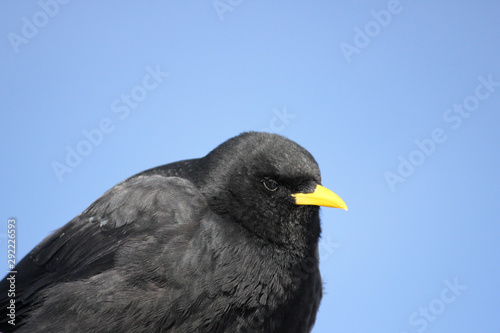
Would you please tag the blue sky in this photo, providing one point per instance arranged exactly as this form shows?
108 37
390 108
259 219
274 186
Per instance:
398 101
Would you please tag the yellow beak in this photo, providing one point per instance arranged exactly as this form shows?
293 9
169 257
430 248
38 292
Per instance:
320 197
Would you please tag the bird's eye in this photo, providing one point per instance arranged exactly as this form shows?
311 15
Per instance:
270 184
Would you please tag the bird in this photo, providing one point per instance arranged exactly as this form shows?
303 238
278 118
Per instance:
223 243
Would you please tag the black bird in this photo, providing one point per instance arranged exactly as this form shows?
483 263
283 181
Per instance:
223 243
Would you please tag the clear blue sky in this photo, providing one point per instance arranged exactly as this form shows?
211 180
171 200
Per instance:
398 101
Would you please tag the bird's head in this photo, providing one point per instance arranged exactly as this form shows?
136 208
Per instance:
270 185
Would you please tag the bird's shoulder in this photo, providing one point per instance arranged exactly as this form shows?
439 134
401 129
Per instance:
141 211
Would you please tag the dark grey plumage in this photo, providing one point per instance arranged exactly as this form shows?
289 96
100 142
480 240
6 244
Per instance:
202 245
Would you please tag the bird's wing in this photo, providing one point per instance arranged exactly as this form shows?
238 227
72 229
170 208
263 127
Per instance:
132 212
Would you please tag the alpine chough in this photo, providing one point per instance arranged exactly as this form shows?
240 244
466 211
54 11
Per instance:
223 243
